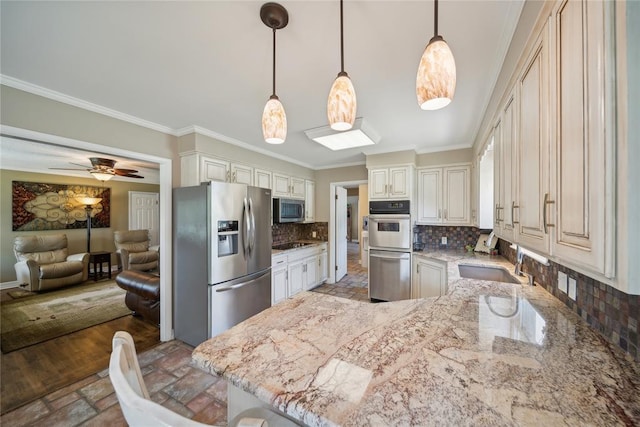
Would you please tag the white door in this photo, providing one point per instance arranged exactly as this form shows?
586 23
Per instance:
144 213
341 232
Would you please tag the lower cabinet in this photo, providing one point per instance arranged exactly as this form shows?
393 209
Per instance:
297 270
430 278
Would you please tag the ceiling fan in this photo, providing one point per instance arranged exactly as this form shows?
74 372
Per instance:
104 169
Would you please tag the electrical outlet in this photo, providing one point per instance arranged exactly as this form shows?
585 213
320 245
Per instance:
314 234
572 288
562 281
444 240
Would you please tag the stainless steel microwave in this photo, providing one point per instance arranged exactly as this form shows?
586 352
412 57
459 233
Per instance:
288 210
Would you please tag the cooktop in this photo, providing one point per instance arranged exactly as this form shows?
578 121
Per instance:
289 245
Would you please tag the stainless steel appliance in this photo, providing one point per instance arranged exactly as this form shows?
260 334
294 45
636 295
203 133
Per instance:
222 257
288 210
389 250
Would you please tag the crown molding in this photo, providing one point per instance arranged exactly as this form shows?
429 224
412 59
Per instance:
85 105
443 148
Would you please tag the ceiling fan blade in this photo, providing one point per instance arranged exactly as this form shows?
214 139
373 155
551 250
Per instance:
131 175
83 166
124 171
70 169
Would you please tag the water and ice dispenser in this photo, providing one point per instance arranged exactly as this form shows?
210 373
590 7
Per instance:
227 238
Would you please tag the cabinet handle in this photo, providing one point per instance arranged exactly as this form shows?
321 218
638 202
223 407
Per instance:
439 213
228 176
445 214
235 177
513 207
544 212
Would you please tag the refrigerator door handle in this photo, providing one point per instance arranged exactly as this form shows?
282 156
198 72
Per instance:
246 228
255 278
252 236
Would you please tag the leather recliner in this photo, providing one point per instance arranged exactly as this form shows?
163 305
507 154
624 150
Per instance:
44 262
133 251
143 293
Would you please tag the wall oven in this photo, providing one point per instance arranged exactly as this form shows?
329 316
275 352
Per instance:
389 250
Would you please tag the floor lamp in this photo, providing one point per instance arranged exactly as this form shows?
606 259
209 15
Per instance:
88 203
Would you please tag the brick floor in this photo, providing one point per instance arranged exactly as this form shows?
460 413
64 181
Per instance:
170 379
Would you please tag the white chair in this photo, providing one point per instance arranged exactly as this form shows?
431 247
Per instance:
137 407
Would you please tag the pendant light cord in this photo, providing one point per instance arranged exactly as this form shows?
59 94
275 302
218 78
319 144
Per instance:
274 62
435 19
342 41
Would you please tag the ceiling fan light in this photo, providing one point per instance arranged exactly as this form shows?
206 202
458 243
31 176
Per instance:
274 121
101 176
342 104
436 78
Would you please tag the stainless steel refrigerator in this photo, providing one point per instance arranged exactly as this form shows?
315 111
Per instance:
222 257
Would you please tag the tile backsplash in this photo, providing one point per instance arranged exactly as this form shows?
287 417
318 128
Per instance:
283 233
609 311
430 236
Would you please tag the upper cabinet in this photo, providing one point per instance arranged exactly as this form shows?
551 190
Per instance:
262 178
582 147
444 195
391 183
196 168
288 186
505 172
533 148
309 201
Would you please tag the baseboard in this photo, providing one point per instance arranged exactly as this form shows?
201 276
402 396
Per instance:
9 285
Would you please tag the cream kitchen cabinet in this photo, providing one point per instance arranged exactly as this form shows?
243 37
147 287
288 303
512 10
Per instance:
533 165
444 195
288 186
262 178
391 183
430 278
196 168
298 270
505 172
309 201
582 140
279 290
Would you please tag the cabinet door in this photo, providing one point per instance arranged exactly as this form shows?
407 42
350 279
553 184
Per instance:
295 277
262 178
278 284
323 270
508 170
399 182
498 179
241 174
297 188
430 279
309 201
430 196
213 170
456 195
281 185
378 185
310 272
533 149
580 146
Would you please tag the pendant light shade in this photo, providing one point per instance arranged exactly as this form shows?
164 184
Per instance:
274 119
436 78
341 105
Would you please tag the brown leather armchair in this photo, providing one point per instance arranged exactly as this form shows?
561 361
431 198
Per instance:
44 262
143 293
133 251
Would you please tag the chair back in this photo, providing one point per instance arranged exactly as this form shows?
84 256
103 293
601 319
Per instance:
125 375
46 249
132 240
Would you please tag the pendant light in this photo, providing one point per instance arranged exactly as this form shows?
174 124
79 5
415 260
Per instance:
341 106
274 119
436 79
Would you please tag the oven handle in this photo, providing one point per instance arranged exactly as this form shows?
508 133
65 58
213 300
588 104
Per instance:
387 217
401 255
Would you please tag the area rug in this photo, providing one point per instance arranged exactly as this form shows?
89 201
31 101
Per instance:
38 318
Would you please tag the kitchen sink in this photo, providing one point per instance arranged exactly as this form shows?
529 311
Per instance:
483 272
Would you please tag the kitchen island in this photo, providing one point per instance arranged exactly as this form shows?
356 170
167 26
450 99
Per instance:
487 353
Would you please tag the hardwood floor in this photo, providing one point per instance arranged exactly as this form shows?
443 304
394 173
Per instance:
32 372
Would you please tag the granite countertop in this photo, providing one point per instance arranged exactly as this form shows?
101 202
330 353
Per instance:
487 353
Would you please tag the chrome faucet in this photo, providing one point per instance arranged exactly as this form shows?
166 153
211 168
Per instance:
518 270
